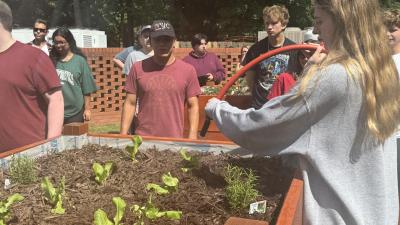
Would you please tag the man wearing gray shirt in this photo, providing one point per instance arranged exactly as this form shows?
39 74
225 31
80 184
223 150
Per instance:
143 53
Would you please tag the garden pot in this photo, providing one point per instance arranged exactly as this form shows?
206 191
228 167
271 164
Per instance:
290 213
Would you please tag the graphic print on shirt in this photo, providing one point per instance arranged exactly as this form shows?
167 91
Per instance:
66 77
271 68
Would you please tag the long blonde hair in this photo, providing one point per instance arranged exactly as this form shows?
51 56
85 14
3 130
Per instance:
360 44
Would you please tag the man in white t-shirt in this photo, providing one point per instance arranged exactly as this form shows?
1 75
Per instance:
392 22
40 31
144 52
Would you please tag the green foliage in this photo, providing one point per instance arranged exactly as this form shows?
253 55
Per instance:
100 217
157 189
151 212
190 162
54 195
170 184
240 190
5 207
119 19
102 172
240 87
22 170
133 150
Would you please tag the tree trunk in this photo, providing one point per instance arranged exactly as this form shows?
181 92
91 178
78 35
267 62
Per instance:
77 14
56 15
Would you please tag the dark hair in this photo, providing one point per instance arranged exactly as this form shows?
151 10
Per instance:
67 35
5 16
42 21
196 40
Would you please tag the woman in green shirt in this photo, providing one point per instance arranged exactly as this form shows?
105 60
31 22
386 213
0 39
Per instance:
75 76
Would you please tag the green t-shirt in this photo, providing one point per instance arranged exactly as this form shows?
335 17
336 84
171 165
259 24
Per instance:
77 81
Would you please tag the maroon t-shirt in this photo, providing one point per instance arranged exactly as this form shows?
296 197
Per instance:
26 73
162 93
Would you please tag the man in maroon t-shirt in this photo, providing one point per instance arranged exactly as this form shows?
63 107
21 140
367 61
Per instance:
30 91
163 84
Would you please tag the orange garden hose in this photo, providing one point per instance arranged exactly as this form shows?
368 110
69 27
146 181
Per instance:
242 71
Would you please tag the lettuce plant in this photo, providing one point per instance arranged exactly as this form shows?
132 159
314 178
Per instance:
5 207
190 162
170 184
100 217
102 172
133 150
54 195
151 212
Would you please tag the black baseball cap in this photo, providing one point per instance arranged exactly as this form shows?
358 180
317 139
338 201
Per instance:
162 28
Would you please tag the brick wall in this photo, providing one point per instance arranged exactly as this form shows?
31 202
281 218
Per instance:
110 81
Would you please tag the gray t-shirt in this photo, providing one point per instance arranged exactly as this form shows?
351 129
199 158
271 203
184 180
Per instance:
124 53
348 177
134 56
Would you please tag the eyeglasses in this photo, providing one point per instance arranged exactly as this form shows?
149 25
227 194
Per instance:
60 43
39 30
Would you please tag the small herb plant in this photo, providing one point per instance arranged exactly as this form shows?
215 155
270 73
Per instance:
190 162
22 169
100 217
102 172
151 212
170 184
5 207
133 150
54 195
240 190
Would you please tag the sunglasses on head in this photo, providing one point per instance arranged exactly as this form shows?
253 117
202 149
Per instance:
40 30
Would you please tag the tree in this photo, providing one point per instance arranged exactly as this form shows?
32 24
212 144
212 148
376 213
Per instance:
220 20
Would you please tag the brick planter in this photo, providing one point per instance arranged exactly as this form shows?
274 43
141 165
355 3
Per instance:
75 129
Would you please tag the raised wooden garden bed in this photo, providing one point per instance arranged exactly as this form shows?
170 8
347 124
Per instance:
240 101
200 195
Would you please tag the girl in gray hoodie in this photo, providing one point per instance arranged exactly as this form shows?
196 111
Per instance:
339 121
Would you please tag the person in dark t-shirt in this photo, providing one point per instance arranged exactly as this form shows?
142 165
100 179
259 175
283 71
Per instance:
261 77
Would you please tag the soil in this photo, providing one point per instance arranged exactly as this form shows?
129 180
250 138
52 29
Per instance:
200 195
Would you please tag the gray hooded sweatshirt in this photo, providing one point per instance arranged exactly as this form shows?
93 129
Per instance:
349 178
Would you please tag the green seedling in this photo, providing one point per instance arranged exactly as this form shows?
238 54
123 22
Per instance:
190 162
102 172
100 217
133 150
170 184
22 170
152 213
54 195
5 207
240 190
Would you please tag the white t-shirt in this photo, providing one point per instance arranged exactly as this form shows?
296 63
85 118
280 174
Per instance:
396 59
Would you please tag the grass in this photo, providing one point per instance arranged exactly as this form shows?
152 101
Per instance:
112 128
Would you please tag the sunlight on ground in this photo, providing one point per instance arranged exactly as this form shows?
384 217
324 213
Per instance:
112 128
